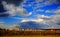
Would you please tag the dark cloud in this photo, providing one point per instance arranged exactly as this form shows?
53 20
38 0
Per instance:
15 2
3 11
1 8
58 23
4 15
58 1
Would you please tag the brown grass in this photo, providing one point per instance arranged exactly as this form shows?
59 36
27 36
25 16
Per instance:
32 36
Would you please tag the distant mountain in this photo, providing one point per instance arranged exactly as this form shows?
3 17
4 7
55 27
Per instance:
31 25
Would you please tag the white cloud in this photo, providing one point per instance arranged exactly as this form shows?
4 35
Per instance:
9 7
55 19
36 20
30 13
39 1
3 25
39 19
39 10
42 16
38 4
45 3
49 2
23 12
48 11
57 12
13 10
13 27
51 21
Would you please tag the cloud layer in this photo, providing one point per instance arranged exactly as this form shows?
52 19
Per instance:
15 2
12 10
52 21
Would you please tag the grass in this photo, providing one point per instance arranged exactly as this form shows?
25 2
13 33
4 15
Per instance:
33 36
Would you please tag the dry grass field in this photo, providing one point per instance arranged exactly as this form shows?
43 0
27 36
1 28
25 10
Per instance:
32 36
28 33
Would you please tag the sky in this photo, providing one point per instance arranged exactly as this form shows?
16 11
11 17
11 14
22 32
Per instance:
43 12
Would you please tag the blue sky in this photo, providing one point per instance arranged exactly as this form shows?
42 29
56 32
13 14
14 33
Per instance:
30 10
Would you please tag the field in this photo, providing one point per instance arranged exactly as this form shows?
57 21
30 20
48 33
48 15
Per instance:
30 33
31 36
